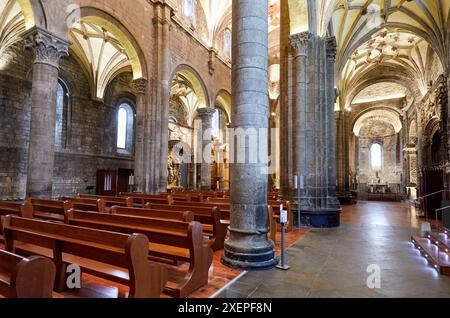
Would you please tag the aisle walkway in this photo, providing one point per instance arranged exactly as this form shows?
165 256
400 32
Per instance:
334 263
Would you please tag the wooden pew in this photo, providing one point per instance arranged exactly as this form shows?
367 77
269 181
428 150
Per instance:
181 197
92 205
49 210
183 216
140 199
209 217
16 208
224 209
169 240
110 201
113 256
274 204
22 277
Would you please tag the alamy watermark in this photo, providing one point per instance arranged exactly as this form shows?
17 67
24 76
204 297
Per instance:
240 146
374 278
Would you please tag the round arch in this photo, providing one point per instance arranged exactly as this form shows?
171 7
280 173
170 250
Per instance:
385 114
113 25
223 99
34 13
379 75
197 82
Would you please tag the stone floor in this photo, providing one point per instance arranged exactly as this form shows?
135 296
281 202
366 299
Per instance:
334 263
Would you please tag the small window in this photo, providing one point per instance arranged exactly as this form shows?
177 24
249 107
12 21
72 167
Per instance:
189 8
376 157
216 124
227 42
62 105
125 128
122 128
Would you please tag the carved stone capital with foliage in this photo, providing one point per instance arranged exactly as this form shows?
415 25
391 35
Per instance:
300 43
46 47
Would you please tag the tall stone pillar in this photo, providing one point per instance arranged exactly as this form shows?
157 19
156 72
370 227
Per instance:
311 100
48 50
140 159
206 115
303 158
248 246
331 49
165 82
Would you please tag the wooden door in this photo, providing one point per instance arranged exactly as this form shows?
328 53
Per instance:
123 180
107 182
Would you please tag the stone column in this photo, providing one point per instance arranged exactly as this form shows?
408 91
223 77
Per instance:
48 50
331 50
248 246
140 159
311 99
165 82
206 115
301 129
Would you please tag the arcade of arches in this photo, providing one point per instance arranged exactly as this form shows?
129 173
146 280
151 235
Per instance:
354 94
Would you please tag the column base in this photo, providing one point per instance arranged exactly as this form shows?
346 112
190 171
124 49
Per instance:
243 258
319 218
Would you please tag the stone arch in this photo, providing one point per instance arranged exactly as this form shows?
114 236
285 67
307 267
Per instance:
223 99
382 74
386 114
34 13
430 129
412 132
198 84
113 25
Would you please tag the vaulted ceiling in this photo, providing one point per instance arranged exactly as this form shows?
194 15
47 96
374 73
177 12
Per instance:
101 54
12 23
379 36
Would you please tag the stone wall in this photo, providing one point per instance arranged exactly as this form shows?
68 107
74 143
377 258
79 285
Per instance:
90 128
15 106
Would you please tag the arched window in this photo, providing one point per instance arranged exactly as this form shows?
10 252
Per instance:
122 128
125 127
227 42
62 105
216 123
376 157
189 9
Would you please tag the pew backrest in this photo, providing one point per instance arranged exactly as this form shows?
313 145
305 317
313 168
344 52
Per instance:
16 208
110 201
84 204
49 209
141 199
184 216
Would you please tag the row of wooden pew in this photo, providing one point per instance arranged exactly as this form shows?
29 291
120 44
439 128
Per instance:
174 229
105 245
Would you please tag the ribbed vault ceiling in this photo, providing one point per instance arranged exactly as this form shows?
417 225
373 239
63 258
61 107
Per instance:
12 23
101 54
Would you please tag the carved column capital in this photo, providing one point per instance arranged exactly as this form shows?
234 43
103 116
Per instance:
300 43
206 114
46 47
140 86
331 48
